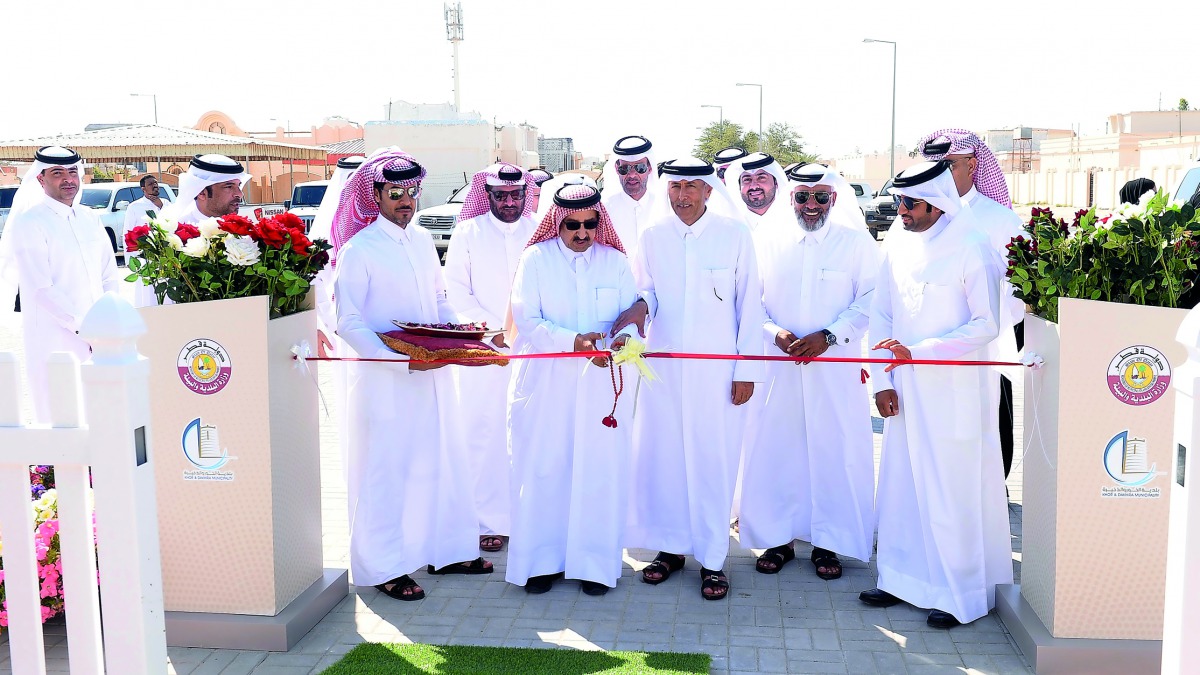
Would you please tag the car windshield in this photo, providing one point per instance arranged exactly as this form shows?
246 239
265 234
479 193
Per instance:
886 190
1191 182
858 190
6 198
96 198
460 195
308 195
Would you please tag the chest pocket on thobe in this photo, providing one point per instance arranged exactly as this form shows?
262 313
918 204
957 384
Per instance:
608 301
836 289
722 284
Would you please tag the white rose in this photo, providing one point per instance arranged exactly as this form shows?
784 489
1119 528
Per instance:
174 240
241 251
196 247
209 228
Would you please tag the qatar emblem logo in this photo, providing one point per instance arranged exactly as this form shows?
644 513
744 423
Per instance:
1139 375
204 366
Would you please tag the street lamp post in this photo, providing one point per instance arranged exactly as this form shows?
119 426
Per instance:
892 151
760 129
720 111
155 99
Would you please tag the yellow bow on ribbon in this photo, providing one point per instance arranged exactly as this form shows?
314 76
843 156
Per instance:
632 353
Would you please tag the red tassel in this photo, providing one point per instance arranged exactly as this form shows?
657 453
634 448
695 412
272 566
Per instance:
865 375
610 420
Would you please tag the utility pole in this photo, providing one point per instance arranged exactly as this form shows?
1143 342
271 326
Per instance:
454 33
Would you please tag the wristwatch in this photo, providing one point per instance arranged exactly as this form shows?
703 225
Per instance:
830 338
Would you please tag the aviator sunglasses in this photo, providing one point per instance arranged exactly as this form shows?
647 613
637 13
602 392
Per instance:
574 225
395 194
821 197
640 167
907 202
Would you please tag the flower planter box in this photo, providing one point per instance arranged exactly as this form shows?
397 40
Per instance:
1098 425
235 429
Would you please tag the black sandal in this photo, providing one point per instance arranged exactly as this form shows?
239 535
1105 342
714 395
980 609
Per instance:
715 580
823 557
664 564
778 556
398 586
476 566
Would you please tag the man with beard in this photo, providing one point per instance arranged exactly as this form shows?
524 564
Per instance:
570 465
409 498
699 283
756 179
57 252
210 188
138 213
809 474
980 182
493 230
943 520
628 178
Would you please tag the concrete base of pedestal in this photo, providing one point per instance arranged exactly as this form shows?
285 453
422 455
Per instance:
1049 655
277 633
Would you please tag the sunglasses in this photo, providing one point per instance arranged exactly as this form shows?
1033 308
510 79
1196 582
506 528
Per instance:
396 193
640 167
907 202
507 195
574 225
821 197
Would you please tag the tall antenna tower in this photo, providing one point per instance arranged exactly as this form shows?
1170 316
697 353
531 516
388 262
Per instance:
454 33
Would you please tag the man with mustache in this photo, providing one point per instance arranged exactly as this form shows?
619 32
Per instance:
210 188
628 179
943 518
409 497
493 230
756 179
59 255
570 482
138 213
699 283
809 471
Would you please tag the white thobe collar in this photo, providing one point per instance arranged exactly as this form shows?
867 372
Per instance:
506 228
697 228
400 235
60 209
936 229
970 196
818 237
571 255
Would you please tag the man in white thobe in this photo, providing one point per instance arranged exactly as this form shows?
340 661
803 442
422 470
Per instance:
810 472
629 192
697 275
980 182
138 212
943 519
210 188
57 252
409 497
570 466
493 229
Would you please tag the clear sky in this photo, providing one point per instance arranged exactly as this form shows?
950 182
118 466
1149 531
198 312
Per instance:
602 69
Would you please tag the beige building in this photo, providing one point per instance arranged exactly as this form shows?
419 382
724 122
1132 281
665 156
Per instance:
873 168
1084 171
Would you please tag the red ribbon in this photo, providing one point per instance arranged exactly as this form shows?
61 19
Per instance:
691 356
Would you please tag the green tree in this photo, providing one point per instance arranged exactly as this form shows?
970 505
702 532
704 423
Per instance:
782 142
1183 104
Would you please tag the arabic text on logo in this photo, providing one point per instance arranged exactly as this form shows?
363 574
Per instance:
1139 375
202 447
1127 463
204 366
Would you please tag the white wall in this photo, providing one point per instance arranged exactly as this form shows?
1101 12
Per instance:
447 150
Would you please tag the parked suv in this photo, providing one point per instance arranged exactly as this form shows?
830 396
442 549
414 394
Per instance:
306 199
1189 185
440 219
7 192
111 200
863 193
881 211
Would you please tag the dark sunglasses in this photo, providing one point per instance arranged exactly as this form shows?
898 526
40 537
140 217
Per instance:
395 194
821 197
640 167
574 225
507 195
907 202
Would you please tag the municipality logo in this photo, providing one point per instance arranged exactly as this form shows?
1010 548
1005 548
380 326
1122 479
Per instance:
1139 375
204 366
202 447
1127 463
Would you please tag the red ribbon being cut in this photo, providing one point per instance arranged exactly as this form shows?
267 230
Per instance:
694 356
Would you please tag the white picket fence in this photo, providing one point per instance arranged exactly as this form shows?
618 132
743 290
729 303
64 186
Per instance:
112 440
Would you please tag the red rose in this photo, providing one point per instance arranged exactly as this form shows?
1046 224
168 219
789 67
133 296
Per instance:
269 232
185 232
290 221
300 243
236 225
132 237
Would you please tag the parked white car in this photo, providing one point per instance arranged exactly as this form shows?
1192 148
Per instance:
7 192
863 193
306 199
1189 185
111 200
440 219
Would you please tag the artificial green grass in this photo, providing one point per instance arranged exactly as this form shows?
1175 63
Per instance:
395 659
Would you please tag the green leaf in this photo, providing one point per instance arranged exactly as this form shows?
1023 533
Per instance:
131 277
1096 294
1026 287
